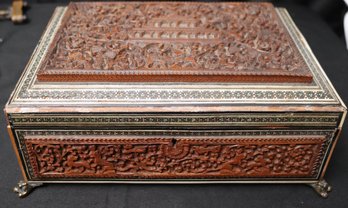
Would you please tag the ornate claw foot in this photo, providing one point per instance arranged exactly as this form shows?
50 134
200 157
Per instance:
24 188
322 188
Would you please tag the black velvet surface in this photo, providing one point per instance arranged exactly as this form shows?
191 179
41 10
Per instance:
15 50
332 11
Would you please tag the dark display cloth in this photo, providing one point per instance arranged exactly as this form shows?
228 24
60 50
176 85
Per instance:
15 50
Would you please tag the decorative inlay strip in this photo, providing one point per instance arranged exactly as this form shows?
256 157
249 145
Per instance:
214 119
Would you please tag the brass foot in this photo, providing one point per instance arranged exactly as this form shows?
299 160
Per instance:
322 188
24 188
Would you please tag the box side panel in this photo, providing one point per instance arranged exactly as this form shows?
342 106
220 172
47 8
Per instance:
17 151
93 154
336 137
49 139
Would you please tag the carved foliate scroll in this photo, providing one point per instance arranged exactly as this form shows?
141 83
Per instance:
173 42
152 158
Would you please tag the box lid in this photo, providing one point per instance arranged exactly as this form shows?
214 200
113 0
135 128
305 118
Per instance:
50 84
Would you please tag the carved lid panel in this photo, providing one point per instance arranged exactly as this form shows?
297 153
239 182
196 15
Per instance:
173 42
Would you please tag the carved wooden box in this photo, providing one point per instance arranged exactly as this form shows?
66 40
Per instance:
173 93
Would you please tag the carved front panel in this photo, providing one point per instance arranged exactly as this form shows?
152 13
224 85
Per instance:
181 158
195 42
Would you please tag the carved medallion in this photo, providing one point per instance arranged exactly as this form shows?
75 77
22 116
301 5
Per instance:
173 42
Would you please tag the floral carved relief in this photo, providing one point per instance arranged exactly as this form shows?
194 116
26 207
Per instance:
112 41
175 158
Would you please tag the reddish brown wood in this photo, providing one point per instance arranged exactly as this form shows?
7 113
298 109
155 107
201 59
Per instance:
173 42
175 158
